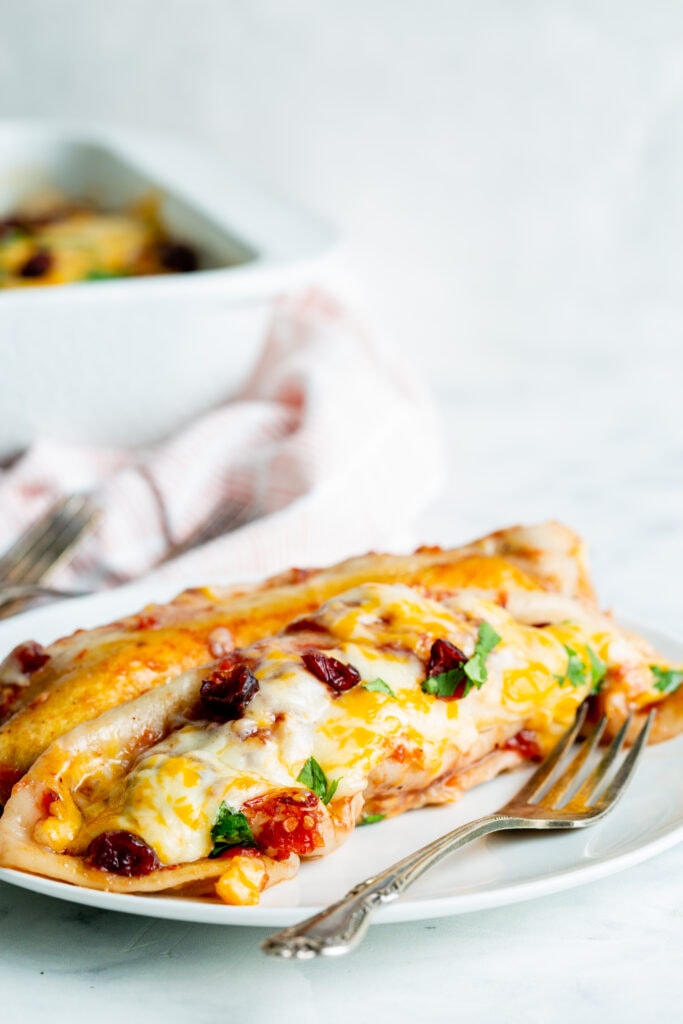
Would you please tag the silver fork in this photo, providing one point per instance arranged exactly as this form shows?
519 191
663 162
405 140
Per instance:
569 801
11 593
41 548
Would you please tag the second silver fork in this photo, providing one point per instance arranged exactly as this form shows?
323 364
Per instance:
41 549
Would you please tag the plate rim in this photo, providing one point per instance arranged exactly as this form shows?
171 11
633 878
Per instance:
405 909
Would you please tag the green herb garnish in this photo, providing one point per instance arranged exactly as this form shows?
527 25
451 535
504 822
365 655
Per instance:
475 668
446 683
667 680
577 673
576 670
598 669
231 829
102 275
313 777
471 673
379 686
370 819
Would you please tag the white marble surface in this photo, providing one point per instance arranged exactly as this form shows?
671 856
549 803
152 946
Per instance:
608 950
508 177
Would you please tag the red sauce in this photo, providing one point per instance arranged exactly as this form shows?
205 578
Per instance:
239 851
297 575
526 743
47 800
30 656
147 622
8 698
8 777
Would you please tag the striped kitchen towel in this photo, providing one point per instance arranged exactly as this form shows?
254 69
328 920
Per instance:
331 448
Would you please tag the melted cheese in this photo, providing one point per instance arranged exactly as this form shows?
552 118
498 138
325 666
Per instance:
172 795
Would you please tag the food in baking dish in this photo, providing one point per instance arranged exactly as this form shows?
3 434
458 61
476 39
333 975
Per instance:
404 687
56 240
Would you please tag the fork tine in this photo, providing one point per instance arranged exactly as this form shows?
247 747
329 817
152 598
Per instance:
543 773
62 542
47 541
599 773
618 784
568 778
29 541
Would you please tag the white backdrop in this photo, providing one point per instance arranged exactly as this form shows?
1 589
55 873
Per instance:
505 173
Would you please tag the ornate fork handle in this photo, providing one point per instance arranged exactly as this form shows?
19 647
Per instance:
341 926
572 801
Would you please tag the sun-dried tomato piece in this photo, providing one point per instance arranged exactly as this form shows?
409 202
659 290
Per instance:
526 743
305 626
37 265
289 821
178 257
30 656
443 657
8 777
336 674
122 853
228 690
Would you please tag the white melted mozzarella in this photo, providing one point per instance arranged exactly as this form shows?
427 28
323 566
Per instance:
173 794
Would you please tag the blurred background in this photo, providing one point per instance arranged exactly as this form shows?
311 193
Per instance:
506 179
505 175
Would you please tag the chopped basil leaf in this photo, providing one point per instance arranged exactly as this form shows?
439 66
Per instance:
487 639
446 683
666 679
472 673
330 791
231 829
576 674
102 275
313 777
370 819
475 669
598 669
379 686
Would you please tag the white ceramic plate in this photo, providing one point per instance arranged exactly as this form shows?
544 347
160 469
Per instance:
491 872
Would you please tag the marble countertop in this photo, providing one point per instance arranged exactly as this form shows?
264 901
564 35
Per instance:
606 951
527 438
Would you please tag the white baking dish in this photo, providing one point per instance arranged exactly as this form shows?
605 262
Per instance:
126 361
